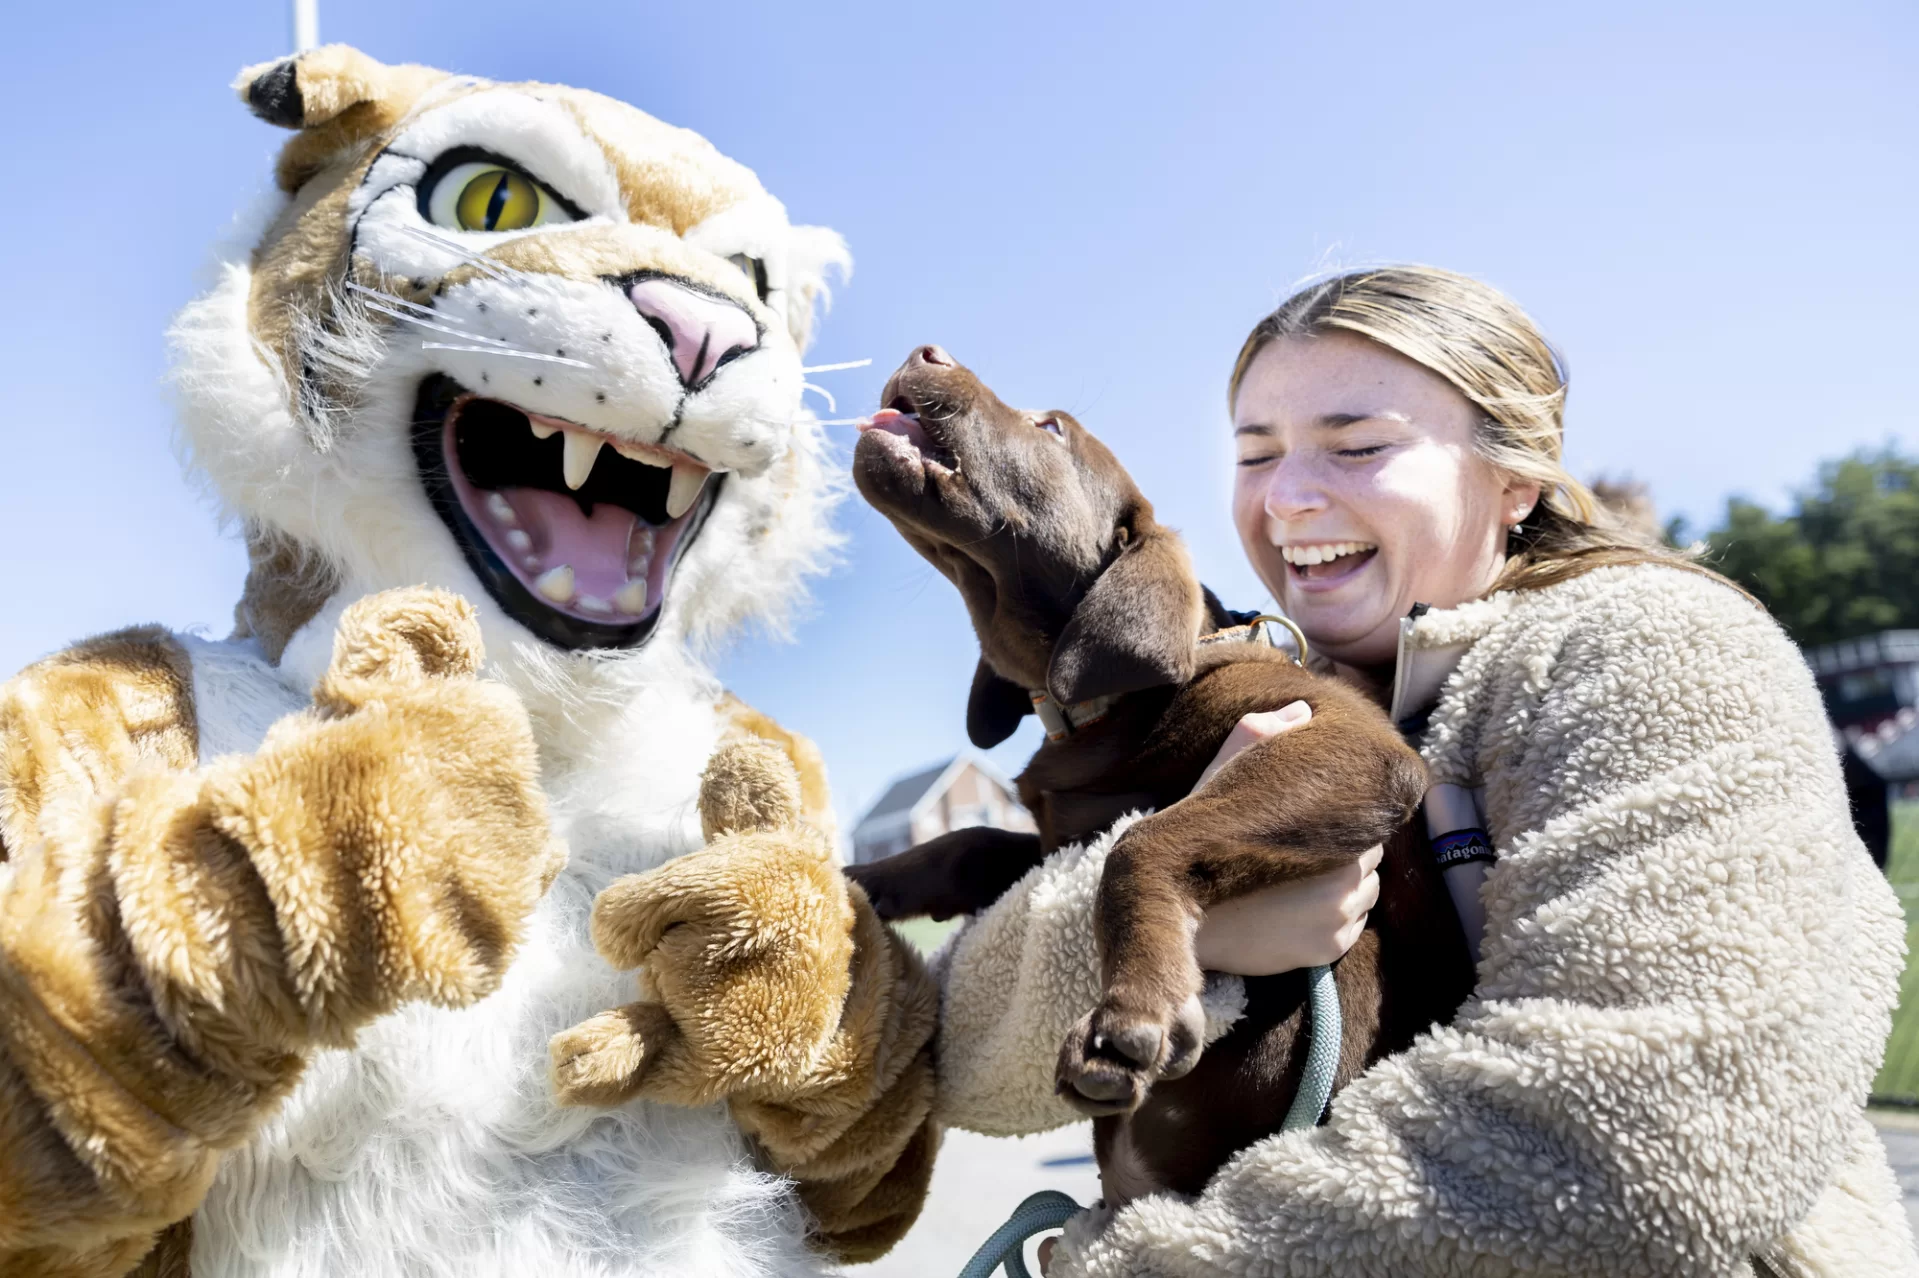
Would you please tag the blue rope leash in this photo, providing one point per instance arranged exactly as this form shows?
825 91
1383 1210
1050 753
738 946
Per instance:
1322 1051
1049 1209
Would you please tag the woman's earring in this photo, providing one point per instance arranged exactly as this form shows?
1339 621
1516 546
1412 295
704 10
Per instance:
1518 524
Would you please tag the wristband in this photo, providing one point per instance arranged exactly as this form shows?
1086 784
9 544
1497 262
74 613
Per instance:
1457 847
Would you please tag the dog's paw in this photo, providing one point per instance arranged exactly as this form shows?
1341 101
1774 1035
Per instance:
892 896
929 892
1112 1058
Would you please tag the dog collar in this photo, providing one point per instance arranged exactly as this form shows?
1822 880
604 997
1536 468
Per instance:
1254 630
1061 721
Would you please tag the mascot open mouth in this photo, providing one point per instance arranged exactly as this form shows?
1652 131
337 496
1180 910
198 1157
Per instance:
574 533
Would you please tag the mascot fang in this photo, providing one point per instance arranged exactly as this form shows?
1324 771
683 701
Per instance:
289 923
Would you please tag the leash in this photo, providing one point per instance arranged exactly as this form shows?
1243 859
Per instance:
1322 1052
1050 1209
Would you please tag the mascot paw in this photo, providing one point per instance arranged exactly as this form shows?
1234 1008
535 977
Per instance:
400 639
399 828
745 949
604 1061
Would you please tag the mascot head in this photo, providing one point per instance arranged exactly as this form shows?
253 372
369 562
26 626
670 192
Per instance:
518 340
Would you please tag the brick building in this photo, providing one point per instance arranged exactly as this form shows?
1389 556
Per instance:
962 791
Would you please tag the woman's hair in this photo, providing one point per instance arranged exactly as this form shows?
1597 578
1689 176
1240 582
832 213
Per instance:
1491 352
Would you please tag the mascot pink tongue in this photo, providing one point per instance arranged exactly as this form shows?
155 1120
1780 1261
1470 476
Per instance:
607 557
586 556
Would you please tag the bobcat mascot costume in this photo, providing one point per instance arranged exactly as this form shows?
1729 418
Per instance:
298 969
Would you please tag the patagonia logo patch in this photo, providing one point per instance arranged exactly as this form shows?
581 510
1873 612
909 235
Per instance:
1457 847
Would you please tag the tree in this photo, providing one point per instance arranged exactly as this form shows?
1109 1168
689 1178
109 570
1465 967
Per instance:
1844 563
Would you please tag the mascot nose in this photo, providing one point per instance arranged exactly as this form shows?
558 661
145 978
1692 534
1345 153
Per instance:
701 331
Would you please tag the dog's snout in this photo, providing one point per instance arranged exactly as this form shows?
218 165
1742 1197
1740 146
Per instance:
701 331
935 355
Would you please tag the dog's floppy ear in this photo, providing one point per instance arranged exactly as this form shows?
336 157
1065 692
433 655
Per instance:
994 708
336 96
1136 628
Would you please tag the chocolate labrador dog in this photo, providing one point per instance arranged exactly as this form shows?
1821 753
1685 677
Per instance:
1088 613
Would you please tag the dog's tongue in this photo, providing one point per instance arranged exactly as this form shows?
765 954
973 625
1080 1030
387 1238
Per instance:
894 422
595 546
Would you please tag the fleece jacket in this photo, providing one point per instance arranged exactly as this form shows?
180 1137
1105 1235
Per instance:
1686 979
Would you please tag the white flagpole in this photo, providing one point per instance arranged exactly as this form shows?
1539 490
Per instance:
306 25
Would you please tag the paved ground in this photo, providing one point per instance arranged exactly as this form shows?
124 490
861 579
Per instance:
979 1180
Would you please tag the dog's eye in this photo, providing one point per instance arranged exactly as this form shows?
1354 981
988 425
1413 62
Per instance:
1051 426
754 270
485 195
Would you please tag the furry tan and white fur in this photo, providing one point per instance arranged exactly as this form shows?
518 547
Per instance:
275 994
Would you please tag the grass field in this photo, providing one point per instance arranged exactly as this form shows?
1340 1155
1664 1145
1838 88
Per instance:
1899 1075
926 935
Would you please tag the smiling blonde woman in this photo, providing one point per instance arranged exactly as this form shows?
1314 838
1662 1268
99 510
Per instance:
1687 961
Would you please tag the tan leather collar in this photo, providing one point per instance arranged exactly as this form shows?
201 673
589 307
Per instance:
1061 721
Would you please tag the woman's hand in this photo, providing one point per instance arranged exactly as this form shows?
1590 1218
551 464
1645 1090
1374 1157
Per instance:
1254 728
1291 925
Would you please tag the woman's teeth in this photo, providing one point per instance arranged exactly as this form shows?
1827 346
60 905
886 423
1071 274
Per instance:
1323 552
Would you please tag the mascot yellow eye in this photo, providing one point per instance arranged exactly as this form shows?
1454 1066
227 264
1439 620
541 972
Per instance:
486 195
497 201
754 270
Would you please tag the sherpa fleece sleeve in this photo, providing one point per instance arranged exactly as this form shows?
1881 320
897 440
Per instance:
1686 978
1015 979
174 939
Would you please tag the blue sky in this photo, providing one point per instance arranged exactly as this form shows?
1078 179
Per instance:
1712 208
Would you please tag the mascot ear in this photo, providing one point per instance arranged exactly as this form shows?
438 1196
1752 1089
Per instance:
336 96
812 251
1138 627
311 88
994 708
